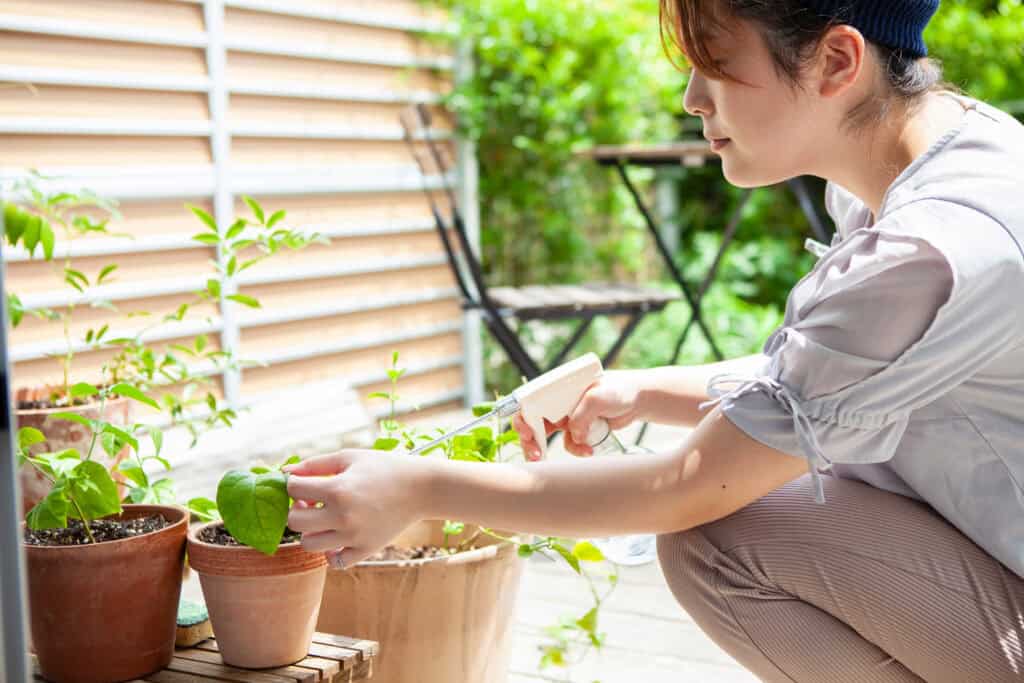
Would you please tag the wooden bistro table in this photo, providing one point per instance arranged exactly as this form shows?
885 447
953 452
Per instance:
332 659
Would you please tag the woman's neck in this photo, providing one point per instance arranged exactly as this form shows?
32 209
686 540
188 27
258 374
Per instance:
868 163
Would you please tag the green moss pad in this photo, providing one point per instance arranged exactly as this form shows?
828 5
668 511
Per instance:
191 613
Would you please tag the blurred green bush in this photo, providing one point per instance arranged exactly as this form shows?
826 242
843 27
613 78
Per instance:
554 78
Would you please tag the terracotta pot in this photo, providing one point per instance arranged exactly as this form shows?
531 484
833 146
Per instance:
108 611
437 620
263 608
62 434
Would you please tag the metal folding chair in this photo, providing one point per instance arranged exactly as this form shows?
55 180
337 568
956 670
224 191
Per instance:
498 305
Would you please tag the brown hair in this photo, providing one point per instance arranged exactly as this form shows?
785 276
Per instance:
792 33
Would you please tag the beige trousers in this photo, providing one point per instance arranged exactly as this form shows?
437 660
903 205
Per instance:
871 587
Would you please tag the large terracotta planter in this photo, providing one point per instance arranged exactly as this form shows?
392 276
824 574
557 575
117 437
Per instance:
63 434
437 620
108 611
263 608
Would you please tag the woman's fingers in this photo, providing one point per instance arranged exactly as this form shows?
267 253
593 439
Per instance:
331 463
310 488
323 541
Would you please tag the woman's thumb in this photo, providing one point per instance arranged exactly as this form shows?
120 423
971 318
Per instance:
583 415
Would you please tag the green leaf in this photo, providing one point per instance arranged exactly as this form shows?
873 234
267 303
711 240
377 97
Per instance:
453 528
51 512
511 436
83 389
292 460
15 221
243 299
206 238
254 508
127 390
122 435
62 463
162 461
204 508
201 341
257 210
236 229
259 469
46 239
385 444
525 550
111 444
157 435
567 556
481 409
588 622
232 265
378 394
588 552
162 493
205 218
134 471
107 270
29 436
275 218
94 491
16 309
76 279
30 238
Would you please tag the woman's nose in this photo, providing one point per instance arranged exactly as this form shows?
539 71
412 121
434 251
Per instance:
696 101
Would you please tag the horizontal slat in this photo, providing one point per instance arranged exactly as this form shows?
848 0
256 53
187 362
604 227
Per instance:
347 16
196 180
355 343
81 29
126 291
336 93
22 352
324 132
155 127
337 55
249 320
103 79
114 246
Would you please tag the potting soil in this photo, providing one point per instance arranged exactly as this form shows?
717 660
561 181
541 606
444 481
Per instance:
219 535
102 530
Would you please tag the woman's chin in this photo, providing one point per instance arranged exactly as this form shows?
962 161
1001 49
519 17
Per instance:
743 175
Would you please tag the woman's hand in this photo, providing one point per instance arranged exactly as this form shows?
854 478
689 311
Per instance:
613 398
368 497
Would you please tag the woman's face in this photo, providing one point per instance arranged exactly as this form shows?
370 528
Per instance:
764 128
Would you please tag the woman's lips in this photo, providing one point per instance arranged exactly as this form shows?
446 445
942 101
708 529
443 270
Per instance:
718 144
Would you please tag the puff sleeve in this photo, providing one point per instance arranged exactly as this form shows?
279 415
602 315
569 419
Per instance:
868 337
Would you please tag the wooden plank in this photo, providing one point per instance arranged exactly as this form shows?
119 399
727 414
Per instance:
342 658
166 676
366 648
223 672
299 674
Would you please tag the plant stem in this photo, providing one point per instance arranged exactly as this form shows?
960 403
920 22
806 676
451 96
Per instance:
92 442
85 522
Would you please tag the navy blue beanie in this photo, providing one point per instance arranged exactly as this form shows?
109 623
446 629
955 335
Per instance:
898 24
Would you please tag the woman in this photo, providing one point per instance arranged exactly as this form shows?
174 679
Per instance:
898 371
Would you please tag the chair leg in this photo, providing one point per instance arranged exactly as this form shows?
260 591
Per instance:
581 329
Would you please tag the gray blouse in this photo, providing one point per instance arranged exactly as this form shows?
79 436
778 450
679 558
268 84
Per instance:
900 359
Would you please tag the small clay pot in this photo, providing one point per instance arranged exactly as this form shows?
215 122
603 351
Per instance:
263 608
108 611
63 434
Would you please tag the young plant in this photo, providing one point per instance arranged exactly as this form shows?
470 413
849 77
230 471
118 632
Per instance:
253 505
81 487
572 637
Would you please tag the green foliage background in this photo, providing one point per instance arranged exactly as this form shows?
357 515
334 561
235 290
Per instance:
554 78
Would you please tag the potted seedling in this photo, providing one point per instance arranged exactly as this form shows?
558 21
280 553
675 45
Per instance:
251 565
441 599
103 578
177 374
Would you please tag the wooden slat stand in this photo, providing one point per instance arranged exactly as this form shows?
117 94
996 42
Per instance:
332 659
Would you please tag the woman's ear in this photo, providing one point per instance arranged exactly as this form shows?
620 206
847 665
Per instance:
841 55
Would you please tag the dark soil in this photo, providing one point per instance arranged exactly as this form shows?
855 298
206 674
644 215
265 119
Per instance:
102 530
420 552
45 398
219 535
